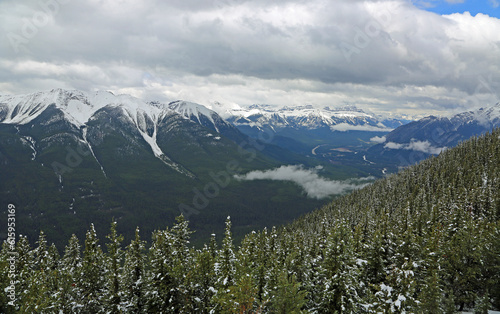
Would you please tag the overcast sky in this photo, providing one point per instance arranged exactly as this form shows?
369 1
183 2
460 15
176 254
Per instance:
401 56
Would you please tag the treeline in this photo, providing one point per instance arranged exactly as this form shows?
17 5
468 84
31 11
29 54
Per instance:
426 240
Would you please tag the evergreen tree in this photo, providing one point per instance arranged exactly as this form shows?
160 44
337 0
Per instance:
161 281
170 262
91 283
431 291
288 298
134 276
70 269
6 276
225 265
202 280
238 298
43 282
112 297
340 273
482 304
225 270
182 262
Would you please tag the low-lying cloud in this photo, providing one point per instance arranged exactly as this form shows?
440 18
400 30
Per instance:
378 139
308 179
342 127
420 146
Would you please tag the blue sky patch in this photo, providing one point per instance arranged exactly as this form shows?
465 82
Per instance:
489 7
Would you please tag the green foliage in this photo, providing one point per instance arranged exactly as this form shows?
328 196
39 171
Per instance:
423 241
93 274
134 276
238 298
138 189
288 298
112 295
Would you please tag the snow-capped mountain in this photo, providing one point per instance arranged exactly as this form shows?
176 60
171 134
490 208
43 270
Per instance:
205 117
301 128
305 117
431 135
77 109
82 115
70 157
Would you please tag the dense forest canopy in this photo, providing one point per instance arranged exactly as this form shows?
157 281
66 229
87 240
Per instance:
426 240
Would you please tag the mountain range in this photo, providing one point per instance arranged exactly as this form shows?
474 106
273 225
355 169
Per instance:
431 135
301 128
69 158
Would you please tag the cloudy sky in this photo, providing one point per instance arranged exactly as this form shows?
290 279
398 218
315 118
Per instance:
417 57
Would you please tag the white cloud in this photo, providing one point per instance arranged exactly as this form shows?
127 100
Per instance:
392 145
314 185
348 127
403 59
378 139
421 146
425 147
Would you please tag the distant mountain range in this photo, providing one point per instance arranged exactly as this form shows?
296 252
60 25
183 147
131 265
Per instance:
302 128
305 117
420 139
68 158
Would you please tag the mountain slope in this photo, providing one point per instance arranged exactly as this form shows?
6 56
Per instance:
425 240
68 158
417 140
313 132
428 234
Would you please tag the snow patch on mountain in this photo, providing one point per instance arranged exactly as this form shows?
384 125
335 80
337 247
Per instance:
225 110
77 106
28 140
80 107
191 110
84 136
302 117
22 109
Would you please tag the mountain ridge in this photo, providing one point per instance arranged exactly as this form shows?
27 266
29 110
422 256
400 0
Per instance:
68 157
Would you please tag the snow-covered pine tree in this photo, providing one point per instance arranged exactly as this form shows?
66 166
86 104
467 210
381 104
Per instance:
397 294
183 298
134 277
92 276
288 298
202 280
161 280
5 279
113 292
225 266
431 295
38 282
340 273
70 268
225 269
170 261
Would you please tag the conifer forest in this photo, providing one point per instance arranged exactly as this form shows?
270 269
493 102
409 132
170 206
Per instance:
425 240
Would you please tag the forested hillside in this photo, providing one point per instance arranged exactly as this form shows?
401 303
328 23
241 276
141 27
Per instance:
426 240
